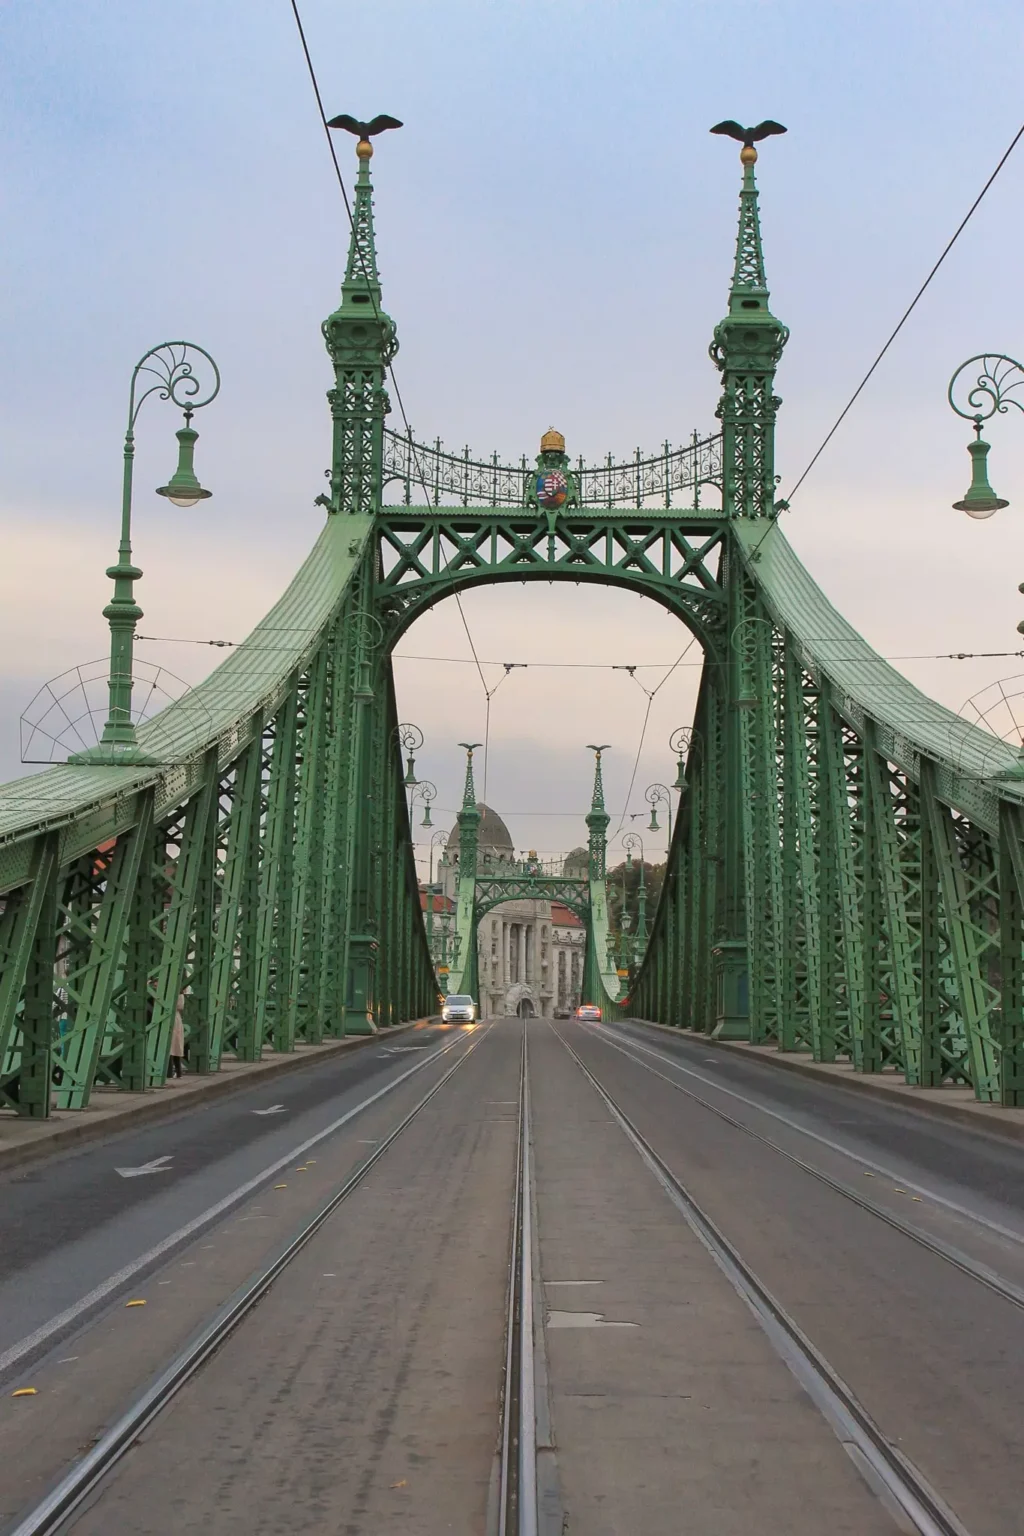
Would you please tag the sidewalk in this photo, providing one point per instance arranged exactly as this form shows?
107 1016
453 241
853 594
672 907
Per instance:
950 1103
23 1140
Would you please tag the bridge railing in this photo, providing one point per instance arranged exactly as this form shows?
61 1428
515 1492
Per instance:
431 474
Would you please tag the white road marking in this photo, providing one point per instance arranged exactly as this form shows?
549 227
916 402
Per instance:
113 1282
158 1165
275 1109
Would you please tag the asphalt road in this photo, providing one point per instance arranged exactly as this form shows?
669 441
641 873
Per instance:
72 1222
935 1357
983 1172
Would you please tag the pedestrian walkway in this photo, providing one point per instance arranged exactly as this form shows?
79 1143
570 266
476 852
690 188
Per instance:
950 1102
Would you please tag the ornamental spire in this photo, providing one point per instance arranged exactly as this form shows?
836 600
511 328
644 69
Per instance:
469 817
361 271
746 349
361 340
598 818
748 279
361 275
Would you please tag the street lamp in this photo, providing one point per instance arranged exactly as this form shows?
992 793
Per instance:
655 795
631 841
411 738
991 391
437 838
425 792
171 365
681 743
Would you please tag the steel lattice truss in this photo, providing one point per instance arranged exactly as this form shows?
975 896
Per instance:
492 890
846 876
426 555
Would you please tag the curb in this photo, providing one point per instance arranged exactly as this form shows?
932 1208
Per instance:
983 1120
72 1133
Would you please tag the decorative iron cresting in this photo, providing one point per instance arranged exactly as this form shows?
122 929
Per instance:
430 473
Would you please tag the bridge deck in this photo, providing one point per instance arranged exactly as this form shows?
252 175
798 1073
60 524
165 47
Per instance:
362 1393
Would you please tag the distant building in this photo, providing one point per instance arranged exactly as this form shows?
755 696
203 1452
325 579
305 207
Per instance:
530 952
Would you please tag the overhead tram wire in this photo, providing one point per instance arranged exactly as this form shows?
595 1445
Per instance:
902 322
647 715
589 666
376 312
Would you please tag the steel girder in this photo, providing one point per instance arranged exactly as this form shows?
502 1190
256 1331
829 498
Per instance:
230 898
883 890
572 892
428 553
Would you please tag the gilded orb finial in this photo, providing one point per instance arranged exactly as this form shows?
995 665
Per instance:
748 155
552 442
364 149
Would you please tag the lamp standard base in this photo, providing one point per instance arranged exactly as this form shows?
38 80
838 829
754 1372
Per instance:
115 755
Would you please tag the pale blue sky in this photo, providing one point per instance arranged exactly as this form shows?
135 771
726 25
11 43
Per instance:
555 227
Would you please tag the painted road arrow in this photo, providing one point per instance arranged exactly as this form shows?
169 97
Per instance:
158 1165
275 1109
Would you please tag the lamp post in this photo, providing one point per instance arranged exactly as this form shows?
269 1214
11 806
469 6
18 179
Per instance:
425 792
976 395
681 744
631 841
655 795
984 394
171 366
411 738
437 838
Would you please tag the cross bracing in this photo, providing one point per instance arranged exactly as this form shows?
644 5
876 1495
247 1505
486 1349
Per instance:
428 554
846 874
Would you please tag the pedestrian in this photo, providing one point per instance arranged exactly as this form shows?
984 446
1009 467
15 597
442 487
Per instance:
178 1037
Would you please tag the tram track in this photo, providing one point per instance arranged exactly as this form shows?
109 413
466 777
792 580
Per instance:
973 1268
517 1506
912 1502
85 1478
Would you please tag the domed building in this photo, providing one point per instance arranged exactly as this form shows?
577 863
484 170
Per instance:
530 952
494 840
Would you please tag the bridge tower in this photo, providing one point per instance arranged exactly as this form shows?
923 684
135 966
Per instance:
746 348
598 821
361 341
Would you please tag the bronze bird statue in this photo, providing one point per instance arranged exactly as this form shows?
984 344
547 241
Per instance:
364 130
748 137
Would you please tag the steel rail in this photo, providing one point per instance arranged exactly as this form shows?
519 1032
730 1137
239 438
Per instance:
50 1515
962 1261
517 1496
892 1477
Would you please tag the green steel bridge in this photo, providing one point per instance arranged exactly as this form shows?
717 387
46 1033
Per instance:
846 875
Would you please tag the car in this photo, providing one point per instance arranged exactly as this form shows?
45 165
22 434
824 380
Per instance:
589 1011
458 1009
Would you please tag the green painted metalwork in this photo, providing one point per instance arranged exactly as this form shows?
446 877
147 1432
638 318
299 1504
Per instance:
172 365
846 868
